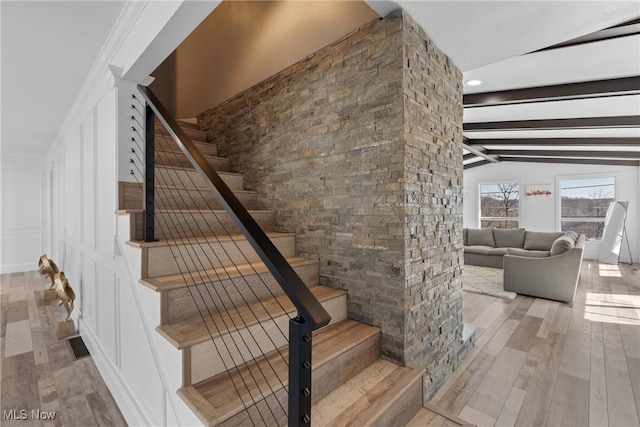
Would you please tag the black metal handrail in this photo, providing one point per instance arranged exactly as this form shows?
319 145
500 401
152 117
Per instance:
311 314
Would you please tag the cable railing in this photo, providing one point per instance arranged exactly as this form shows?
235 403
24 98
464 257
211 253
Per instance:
206 251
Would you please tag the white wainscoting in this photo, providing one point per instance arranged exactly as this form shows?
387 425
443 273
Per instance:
23 183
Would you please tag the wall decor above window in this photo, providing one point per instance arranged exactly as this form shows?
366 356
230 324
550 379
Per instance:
538 190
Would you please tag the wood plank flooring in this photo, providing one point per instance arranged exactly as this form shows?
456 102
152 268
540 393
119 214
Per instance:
39 372
538 362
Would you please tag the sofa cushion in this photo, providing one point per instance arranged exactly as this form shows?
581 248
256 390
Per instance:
481 237
540 241
464 236
562 244
509 238
527 253
478 249
498 251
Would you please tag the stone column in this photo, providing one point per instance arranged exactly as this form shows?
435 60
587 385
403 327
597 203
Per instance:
358 149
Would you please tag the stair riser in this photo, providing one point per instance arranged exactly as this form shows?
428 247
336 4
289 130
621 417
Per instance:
164 260
165 158
194 135
199 223
183 199
206 361
167 143
229 293
192 179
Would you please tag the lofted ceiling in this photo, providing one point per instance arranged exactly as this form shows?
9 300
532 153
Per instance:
48 47
560 79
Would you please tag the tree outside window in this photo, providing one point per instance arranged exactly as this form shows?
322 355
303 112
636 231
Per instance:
584 203
500 205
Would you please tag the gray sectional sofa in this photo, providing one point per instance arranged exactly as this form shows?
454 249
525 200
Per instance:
540 264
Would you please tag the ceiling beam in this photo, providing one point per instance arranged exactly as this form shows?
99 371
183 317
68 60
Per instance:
476 164
468 156
634 142
480 152
622 30
574 123
568 153
577 161
592 89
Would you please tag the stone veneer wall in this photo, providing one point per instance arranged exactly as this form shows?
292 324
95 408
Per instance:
357 148
432 88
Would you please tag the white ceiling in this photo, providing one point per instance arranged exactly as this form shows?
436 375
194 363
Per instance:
48 47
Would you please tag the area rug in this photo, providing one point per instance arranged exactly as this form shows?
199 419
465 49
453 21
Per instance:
485 280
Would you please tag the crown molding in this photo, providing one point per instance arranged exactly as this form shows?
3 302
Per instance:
101 73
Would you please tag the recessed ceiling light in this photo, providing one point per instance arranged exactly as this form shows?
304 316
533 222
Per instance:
474 82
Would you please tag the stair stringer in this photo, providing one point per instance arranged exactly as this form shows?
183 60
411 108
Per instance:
166 358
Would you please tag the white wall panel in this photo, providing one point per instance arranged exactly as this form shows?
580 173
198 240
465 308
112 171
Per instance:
89 286
73 188
22 214
22 198
108 312
88 182
136 355
106 178
22 248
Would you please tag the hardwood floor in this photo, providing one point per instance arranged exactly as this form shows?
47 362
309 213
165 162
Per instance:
538 362
39 372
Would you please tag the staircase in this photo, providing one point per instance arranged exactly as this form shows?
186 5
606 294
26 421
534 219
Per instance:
351 384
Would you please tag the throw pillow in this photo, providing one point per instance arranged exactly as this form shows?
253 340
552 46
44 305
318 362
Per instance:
540 241
509 238
480 237
562 244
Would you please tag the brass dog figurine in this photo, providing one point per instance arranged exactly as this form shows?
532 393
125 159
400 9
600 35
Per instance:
65 293
48 268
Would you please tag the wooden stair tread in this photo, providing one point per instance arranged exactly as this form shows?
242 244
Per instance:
374 401
205 190
203 239
189 122
175 281
192 133
193 331
215 400
180 153
215 211
180 168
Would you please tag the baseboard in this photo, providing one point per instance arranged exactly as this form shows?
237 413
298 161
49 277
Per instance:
132 411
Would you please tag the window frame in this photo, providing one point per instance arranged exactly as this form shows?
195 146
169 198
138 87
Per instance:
496 182
560 178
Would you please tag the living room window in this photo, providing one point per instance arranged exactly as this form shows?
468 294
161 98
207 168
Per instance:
500 204
584 202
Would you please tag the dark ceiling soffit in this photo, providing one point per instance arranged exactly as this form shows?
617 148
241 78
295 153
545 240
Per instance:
576 161
576 123
596 88
476 164
627 29
568 153
634 142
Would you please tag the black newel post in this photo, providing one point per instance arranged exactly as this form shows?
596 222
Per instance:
149 179
299 372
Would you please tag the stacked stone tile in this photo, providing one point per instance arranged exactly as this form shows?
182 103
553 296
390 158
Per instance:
358 149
